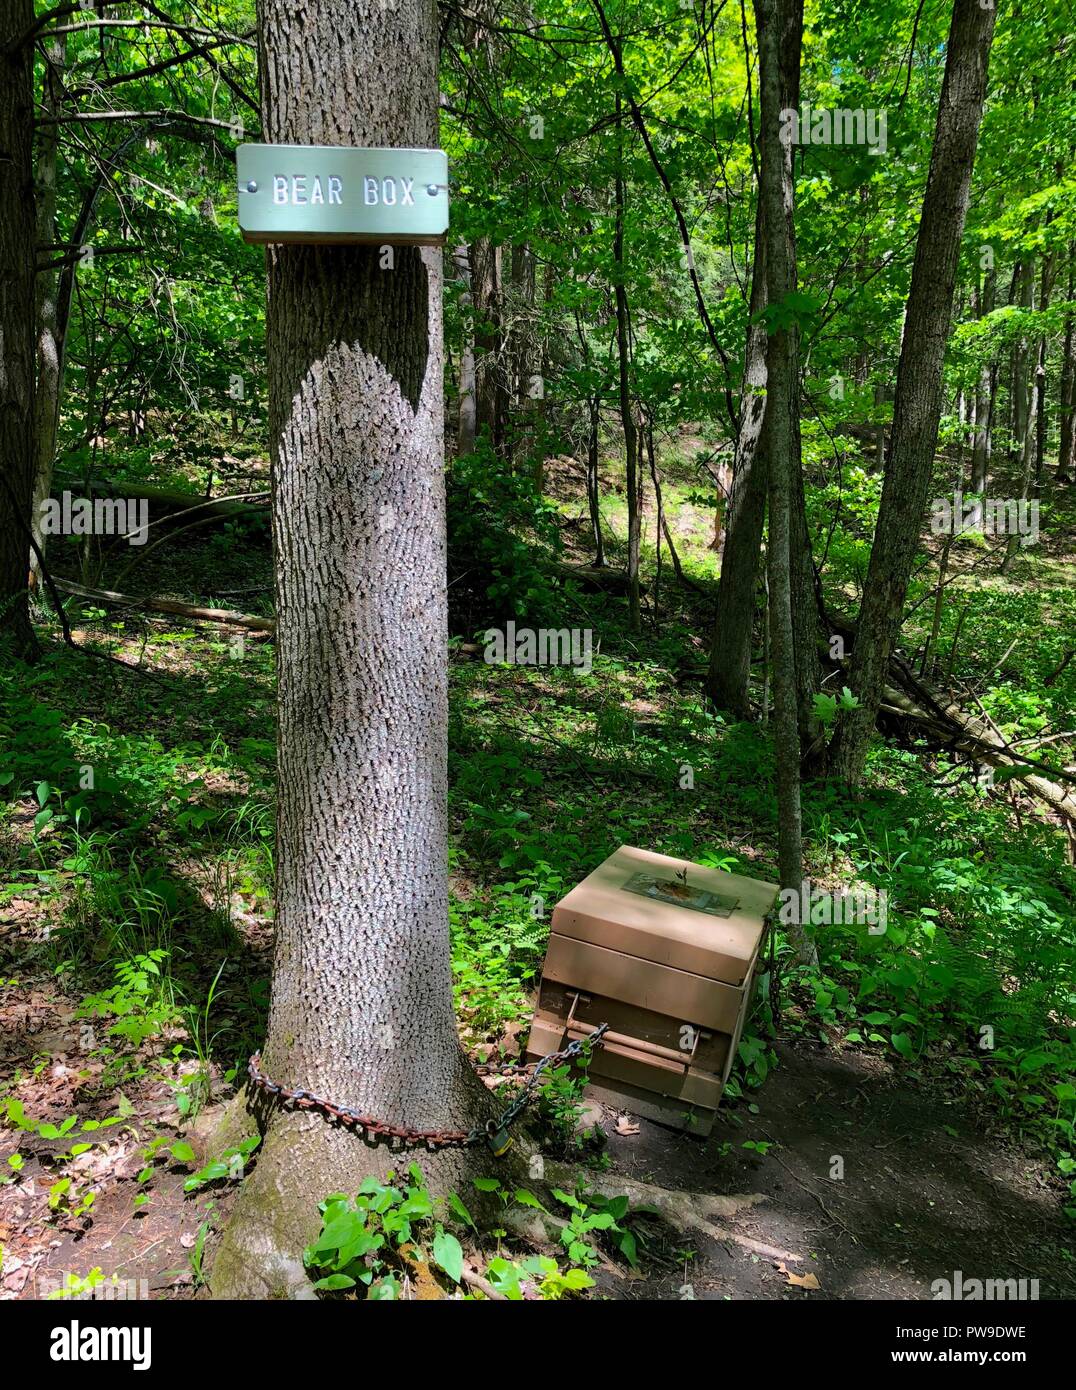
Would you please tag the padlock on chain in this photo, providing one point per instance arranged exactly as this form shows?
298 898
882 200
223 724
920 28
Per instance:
498 1138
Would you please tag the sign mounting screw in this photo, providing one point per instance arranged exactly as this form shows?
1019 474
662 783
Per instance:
252 186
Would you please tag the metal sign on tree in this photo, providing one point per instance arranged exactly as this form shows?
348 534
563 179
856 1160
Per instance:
336 194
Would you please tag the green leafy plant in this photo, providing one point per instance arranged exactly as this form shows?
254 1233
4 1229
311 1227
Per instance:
231 1164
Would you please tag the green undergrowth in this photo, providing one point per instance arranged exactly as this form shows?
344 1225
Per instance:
393 1239
168 848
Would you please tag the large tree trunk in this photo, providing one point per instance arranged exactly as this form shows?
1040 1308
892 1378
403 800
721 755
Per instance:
917 407
728 679
17 258
779 25
361 1001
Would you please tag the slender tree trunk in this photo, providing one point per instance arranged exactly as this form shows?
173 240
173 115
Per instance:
491 391
540 434
806 626
17 260
1024 288
646 425
50 342
723 484
878 460
627 414
465 434
1034 441
931 645
984 403
779 25
1046 289
729 676
593 491
361 1006
917 408
1066 408
523 353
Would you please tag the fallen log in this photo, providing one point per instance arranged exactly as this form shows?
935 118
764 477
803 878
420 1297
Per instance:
972 736
150 604
937 714
604 580
165 500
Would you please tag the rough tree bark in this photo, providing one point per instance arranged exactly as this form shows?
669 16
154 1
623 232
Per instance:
917 406
16 320
361 1005
779 25
728 678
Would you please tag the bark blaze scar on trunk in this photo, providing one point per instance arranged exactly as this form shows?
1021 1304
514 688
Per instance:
387 318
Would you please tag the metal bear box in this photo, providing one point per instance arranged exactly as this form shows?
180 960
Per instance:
665 952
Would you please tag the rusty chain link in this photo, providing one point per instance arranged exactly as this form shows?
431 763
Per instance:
494 1132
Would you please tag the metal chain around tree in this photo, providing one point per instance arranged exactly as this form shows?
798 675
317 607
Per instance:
494 1132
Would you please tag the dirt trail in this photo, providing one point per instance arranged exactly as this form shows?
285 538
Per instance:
923 1193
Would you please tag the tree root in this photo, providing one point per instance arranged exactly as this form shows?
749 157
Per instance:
684 1211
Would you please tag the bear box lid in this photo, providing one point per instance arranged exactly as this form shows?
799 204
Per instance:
641 903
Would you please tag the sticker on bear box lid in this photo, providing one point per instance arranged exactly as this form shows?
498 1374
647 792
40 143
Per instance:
680 894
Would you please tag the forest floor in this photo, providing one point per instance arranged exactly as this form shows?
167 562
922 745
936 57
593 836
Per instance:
926 1190
953 1159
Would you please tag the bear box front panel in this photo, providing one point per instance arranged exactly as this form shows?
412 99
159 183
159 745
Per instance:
665 952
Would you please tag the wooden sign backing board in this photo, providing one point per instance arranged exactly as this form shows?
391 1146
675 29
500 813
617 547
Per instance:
336 195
